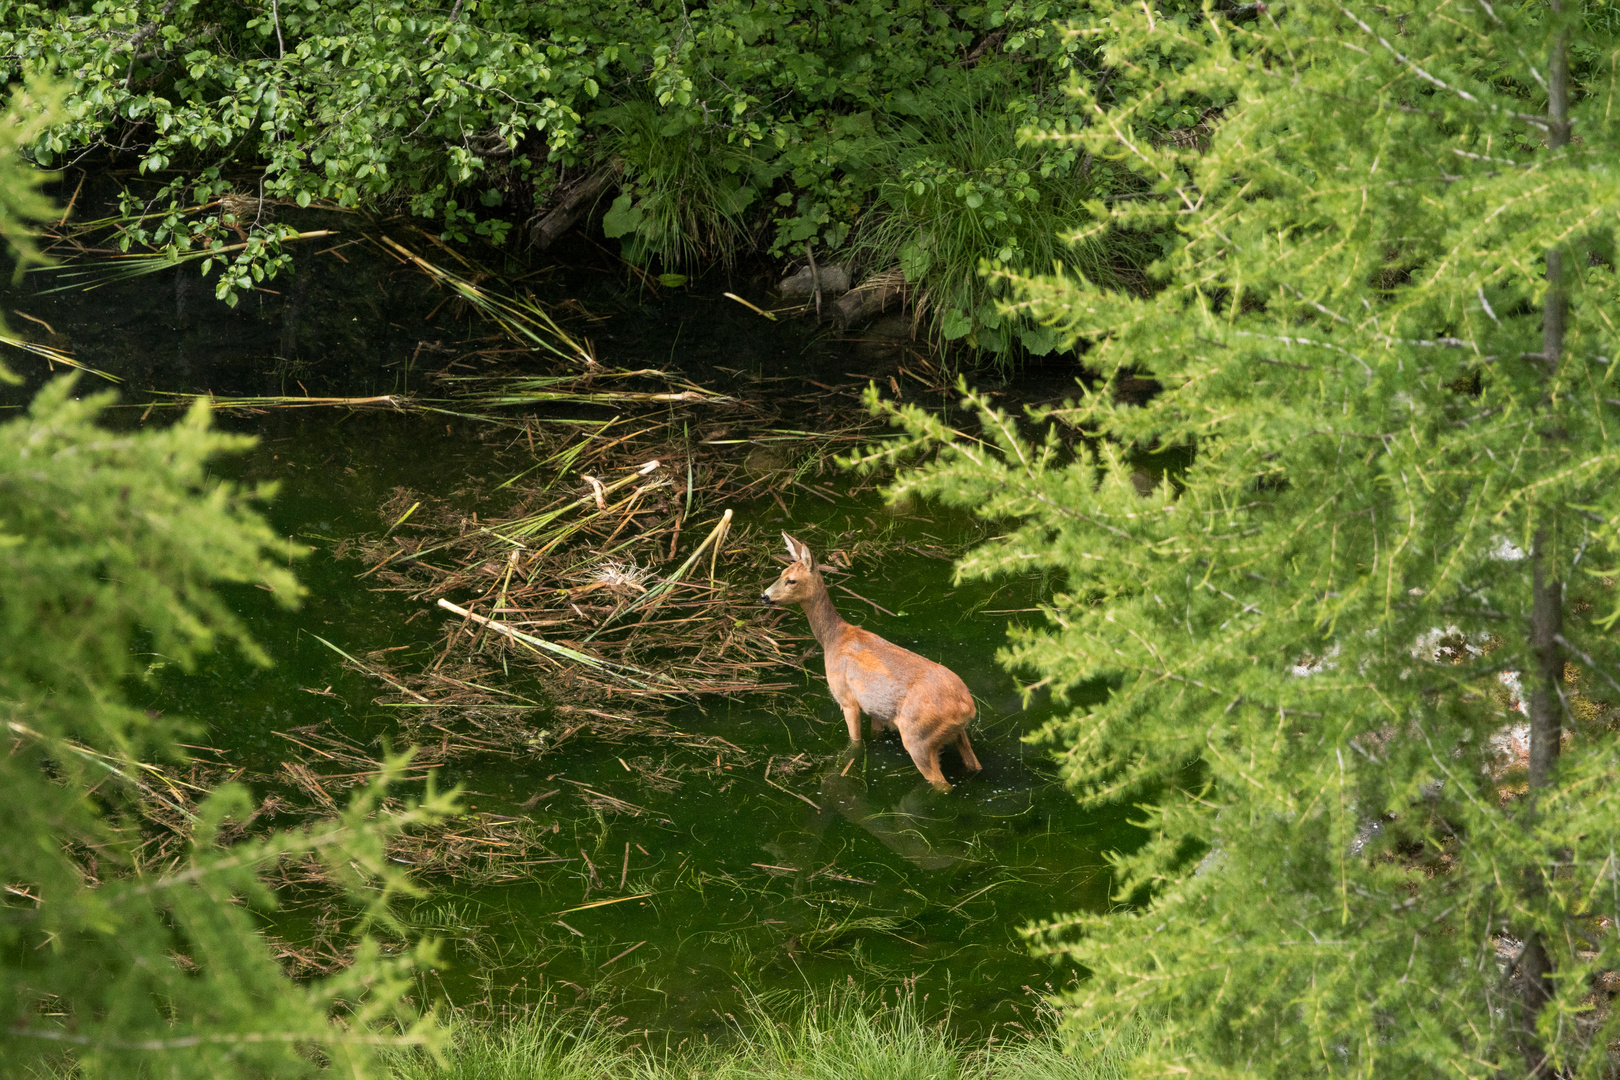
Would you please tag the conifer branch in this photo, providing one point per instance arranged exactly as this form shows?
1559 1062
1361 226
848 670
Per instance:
1529 118
1401 490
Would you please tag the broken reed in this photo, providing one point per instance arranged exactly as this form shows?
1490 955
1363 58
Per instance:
569 588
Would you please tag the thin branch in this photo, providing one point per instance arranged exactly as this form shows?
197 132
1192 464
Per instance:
1529 118
1587 660
139 37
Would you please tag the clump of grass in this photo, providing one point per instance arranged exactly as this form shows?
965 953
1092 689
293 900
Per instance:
833 1037
688 191
1046 1055
843 1037
537 1045
969 197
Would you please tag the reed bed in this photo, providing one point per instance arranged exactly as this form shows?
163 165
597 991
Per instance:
620 579
615 573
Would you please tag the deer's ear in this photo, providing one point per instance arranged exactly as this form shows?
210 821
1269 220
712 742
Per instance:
798 551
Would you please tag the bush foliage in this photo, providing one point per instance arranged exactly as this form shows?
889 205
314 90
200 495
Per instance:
740 125
1357 544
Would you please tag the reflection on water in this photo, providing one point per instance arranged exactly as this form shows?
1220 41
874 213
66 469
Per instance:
911 828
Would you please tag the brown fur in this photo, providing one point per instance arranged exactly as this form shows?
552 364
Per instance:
926 702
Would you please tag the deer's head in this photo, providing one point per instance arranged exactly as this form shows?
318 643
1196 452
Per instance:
800 581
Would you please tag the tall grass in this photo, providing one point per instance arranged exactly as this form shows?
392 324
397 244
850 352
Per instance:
533 1046
967 197
837 1038
687 193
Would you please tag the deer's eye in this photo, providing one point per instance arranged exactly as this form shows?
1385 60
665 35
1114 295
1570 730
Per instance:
792 581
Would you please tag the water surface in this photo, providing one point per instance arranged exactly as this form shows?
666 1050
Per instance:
826 867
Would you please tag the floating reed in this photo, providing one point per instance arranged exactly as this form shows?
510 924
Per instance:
523 318
121 266
615 570
53 356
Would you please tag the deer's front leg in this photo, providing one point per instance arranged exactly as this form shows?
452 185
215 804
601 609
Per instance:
844 694
852 720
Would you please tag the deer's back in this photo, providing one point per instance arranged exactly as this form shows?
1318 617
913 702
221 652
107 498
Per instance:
883 676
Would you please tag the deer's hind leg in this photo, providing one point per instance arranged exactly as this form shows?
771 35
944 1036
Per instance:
925 754
965 748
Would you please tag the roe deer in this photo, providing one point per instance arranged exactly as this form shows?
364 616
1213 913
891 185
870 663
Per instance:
926 702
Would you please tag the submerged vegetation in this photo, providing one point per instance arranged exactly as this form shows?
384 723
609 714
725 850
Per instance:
880 135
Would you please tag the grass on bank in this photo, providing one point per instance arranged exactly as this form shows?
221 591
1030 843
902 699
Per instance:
686 197
945 192
829 1039
967 196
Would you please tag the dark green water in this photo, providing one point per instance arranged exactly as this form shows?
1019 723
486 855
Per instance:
846 869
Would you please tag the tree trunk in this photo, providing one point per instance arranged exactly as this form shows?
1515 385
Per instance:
1535 967
1547 590
1546 626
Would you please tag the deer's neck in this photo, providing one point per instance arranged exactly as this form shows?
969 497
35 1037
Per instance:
825 622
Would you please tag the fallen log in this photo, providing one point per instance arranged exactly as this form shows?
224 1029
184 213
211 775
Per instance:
869 299
575 205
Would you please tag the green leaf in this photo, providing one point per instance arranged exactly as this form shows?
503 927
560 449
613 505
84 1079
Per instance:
1038 340
955 324
621 218
915 261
